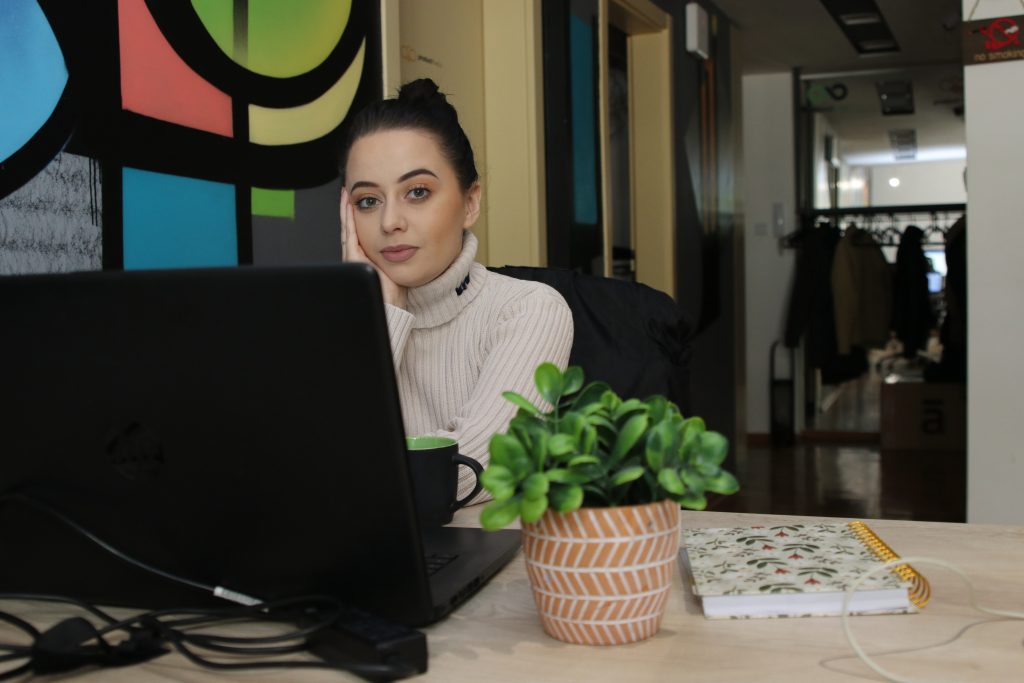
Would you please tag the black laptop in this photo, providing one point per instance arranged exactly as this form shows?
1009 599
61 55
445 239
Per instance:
238 427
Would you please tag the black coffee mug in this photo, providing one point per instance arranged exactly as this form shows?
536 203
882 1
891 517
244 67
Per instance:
434 465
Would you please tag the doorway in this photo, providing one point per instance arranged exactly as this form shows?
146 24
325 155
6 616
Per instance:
607 104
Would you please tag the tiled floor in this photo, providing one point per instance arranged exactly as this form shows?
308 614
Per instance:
852 479
849 481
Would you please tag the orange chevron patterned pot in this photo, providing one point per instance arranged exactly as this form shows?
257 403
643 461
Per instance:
601 576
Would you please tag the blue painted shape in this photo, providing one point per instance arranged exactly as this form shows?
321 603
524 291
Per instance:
583 105
176 222
32 73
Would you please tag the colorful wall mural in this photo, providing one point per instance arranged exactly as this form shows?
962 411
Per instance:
168 133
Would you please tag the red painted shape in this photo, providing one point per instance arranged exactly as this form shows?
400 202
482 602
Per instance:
157 83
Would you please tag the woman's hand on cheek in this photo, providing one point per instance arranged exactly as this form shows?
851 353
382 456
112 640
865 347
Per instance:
352 251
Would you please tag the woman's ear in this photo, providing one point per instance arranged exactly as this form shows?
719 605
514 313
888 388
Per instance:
472 203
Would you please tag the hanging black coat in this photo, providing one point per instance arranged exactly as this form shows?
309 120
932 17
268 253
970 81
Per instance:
810 302
811 309
912 316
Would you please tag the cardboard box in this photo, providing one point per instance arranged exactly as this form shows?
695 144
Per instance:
923 415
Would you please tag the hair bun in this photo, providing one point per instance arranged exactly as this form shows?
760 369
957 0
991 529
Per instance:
423 92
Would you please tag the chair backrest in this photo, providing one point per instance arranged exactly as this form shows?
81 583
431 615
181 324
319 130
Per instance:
629 335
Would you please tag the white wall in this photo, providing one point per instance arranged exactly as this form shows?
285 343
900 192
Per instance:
995 283
933 182
769 182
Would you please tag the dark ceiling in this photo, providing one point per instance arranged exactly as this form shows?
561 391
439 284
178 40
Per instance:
785 34
781 35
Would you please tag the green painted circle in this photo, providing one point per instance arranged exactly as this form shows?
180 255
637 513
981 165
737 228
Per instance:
282 39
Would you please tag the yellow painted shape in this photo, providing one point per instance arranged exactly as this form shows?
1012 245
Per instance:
294 125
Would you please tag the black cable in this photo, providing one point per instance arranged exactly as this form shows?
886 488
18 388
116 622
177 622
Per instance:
56 514
147 632
150 628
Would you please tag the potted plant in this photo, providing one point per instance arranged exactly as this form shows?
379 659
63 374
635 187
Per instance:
598 482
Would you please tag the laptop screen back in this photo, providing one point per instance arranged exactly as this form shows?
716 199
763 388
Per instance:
239 427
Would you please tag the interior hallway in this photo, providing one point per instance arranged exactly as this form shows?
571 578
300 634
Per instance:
839 469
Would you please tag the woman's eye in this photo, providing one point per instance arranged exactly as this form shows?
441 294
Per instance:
419 193
366 202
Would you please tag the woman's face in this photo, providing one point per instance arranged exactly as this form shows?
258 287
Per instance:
408 206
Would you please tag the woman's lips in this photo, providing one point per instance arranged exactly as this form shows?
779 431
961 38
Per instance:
403 252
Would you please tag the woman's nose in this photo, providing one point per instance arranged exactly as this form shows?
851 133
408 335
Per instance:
391 218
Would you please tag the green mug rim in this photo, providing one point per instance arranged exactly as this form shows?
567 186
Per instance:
426 443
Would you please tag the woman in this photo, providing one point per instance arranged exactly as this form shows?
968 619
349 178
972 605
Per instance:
460 334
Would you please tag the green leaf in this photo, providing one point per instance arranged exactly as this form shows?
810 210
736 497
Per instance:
660 444
506 450
714 447
628 436
596 420
539 438
521 402
589 440
626 475
565 498
500 513
499 481
584 460
589 396
561 444
692 429
549 382
560 475
725 483
610 400
670 481
706 468
694 481
693 501
572 380
535 486
533 509
626 407
572 423
657 408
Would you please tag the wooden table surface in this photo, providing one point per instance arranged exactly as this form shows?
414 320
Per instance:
497 637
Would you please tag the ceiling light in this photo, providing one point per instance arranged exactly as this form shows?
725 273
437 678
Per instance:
860 18
863 24
894 182
878 45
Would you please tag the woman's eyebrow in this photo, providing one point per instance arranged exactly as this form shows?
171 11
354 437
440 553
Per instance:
405 176
416 172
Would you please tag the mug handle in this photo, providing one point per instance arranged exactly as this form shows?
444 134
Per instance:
477 468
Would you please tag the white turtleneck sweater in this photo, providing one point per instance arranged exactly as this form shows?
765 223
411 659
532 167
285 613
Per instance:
468 336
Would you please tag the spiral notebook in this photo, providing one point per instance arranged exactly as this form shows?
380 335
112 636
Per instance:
796 570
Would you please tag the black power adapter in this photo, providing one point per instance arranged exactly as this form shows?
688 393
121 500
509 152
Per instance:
362 638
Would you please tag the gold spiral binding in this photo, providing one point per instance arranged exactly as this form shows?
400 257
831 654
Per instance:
920 591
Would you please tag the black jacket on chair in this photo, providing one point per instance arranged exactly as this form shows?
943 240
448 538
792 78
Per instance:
627 334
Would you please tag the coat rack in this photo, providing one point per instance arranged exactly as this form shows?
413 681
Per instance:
885 223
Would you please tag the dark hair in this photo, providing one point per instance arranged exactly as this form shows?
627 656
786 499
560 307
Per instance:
419 106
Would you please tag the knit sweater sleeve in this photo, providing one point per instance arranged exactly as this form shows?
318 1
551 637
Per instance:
530 330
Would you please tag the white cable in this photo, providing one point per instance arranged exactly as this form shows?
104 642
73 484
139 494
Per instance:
888 675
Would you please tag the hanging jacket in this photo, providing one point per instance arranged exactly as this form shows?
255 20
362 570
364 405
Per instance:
912 316
810 302
861 291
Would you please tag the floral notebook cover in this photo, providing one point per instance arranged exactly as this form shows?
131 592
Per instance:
789 570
